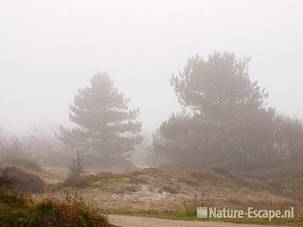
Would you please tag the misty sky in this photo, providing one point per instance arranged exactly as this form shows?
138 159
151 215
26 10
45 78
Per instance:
49 49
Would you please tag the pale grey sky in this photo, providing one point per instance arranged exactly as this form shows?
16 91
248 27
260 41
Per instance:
49 49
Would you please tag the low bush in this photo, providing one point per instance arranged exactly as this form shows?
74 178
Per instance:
11 177
77 181
86 180
20 210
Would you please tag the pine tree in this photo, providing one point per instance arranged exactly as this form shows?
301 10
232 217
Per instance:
105 124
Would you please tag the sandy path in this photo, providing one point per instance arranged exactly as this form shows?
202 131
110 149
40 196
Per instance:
126 221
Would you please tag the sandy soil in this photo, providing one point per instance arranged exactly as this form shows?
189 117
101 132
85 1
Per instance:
126 221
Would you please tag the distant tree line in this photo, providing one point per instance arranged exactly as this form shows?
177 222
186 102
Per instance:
225 122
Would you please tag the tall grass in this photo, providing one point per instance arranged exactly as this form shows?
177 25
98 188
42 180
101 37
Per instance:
18 210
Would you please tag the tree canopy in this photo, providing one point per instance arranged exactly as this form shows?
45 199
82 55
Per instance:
225 120
104 122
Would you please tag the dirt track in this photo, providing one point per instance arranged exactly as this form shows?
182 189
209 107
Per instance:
126 221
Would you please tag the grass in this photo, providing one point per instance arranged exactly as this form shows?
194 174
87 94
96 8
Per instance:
264 192
18 210
165 179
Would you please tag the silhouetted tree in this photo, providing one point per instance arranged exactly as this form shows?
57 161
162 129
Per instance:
218 88
105 124
225 119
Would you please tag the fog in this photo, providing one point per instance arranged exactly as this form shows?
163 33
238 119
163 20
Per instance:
49 49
